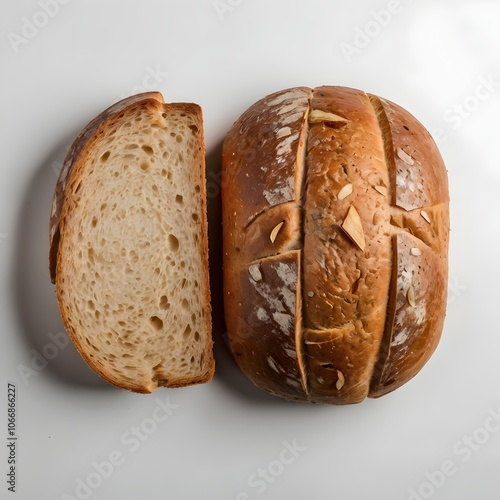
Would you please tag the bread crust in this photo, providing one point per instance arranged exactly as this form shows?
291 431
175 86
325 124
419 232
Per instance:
72 174
261 188
355 332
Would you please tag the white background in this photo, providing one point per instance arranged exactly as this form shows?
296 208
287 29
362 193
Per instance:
432 57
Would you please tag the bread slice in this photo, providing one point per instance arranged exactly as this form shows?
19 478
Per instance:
129 245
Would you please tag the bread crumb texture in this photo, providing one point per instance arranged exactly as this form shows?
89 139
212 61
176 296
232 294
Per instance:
131 280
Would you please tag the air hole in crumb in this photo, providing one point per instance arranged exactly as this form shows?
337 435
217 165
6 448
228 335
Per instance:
148 150
195 217
183 282
194 128
164 115
156 322
157 270
185 304
90 255
187 332
179 199
173 242
94 221
328 366
163 172
164 303
105 156
144 165
197 336
157 367
154 187
182 264
197 188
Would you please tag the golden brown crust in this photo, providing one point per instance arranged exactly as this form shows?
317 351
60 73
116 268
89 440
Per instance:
416 316
263 164
345 286
263 325
371 184
260 155
420 174
420 220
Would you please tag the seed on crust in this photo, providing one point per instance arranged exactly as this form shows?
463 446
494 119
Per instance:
344 192
340 381
425 215
410 295
275 231
405 156
318 116
382 190
353 227
416 251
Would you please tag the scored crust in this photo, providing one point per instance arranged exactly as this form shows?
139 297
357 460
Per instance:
345 286
130 338
352 189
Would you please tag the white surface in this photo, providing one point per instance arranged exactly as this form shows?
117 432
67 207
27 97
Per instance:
429 57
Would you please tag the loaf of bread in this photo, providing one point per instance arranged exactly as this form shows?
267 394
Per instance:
336 227
129 245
